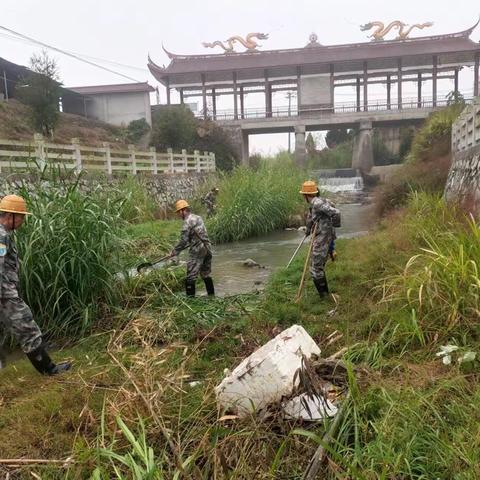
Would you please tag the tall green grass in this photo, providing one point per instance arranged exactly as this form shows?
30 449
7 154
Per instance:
255 202
67 247
441 282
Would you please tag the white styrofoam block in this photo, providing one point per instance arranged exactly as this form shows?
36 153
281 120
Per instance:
267 375
318 408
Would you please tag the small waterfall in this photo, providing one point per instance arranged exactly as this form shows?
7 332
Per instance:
341 180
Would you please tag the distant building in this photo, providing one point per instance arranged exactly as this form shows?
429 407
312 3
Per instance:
116 104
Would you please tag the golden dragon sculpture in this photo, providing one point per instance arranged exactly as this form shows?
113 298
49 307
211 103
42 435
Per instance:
381 31
228 45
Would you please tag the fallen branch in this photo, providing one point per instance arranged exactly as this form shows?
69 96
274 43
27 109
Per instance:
321 453
34 461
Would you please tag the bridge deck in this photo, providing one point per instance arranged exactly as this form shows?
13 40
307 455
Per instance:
345 115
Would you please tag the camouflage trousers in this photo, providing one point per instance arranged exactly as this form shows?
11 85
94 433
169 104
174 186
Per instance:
16 318
320 249
210 210
199 264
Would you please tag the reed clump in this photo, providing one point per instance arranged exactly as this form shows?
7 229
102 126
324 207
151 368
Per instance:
67 249
255 202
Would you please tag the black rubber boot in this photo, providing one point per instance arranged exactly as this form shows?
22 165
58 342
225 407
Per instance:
43 363
209 286
322 286
3 358
190 288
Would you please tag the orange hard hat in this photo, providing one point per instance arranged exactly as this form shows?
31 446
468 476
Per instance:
181 204
309 188
13 204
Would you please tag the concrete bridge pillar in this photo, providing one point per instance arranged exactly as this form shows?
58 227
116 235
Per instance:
362 157
300 147
245 149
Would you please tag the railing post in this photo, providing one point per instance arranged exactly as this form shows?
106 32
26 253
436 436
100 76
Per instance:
39 149
196 157
154 160
131 149
213 166
77 154
108 157
206 155
184 160
171 168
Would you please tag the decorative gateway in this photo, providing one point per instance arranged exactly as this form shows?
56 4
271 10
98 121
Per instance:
228 45
381 31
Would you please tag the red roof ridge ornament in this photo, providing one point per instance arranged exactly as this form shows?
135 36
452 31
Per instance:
248 42
381 31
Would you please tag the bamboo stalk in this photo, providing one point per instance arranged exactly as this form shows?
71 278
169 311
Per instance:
302 281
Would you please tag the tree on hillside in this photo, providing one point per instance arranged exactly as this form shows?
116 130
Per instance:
337 136
174 127
310 145
41 90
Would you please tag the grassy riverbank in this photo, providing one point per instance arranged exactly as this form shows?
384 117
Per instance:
403 291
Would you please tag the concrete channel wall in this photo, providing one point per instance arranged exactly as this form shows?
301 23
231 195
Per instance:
463 183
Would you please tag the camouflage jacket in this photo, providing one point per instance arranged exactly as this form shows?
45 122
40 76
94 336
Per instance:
320 213
193 235
8 265
209 199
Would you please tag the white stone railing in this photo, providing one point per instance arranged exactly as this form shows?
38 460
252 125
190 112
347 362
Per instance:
466 129
18 156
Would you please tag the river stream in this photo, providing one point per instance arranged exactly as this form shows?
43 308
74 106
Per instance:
273 251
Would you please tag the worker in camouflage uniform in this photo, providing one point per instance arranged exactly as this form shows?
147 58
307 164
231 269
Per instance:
319 223
210 201
15 315
194 235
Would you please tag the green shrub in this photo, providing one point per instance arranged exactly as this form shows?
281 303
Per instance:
412 177
66 248
427 165
174 127
256 202
136 130
217 140
434 138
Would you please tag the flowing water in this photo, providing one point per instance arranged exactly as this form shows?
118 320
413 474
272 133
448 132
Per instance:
340 180
273 251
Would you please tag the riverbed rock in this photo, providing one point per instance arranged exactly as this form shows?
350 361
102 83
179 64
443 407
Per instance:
250 263
302 229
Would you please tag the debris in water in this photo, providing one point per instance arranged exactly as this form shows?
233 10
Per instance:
252 264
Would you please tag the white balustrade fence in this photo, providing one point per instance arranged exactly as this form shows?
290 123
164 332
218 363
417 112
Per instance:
18 156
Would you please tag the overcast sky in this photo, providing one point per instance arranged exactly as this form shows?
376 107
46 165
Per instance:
125 31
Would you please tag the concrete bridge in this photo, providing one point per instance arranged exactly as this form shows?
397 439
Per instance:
284 120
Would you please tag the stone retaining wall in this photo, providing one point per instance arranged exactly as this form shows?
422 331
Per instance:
165 188
463 183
